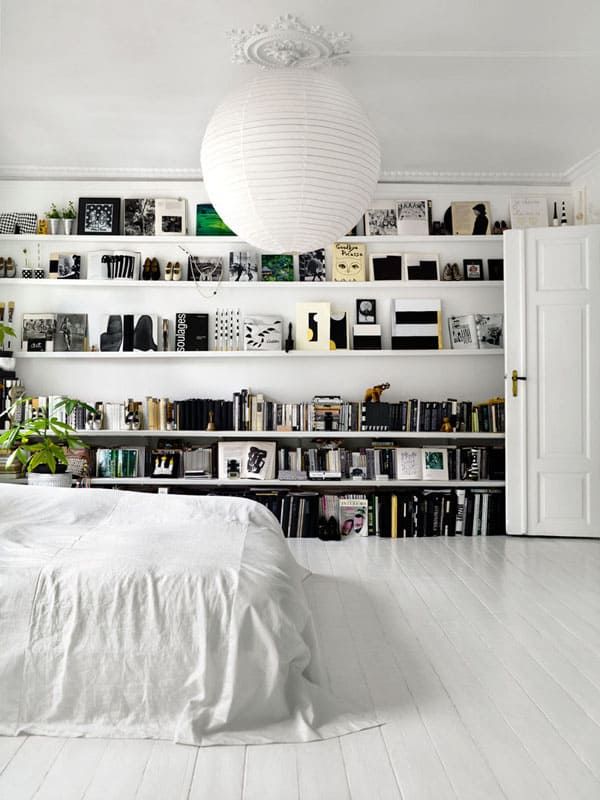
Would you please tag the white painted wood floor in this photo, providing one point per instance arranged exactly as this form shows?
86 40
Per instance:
482 656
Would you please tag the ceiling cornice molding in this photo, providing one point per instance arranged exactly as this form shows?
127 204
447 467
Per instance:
582 168
31 172
512 178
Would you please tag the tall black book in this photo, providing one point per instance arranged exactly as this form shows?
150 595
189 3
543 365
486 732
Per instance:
191 332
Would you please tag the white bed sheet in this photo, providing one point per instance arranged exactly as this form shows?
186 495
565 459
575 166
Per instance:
156 616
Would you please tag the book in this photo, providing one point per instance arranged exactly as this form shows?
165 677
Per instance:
311 266
205 268
471 218
209 223
366 337
416 324
435 463
490 331
64 266
129 333
353 515
463 332
313 321
71 333
113 265
191 331
338 331
170 216
349 262
263 332
413 217
408 464
276 267
38 332
246 460
139 216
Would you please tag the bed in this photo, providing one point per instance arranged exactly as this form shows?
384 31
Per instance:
156 616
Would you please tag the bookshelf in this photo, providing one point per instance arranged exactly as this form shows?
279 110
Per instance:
308 483
267 354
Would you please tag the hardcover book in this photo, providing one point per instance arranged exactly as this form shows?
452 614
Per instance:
528 212
38 332
367 337
354 512
463 332
408 463
64 266
71 333
435 463
170 216
349 262
113 265
263 332
416 324
205 268
471 218
311 266
246 460
191 331
277 267
338 331
413 217
128 333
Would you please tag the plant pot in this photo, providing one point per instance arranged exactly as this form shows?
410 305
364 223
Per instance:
68 226
55 226
7 361
56 480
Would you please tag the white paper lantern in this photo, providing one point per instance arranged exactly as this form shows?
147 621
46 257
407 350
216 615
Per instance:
290 161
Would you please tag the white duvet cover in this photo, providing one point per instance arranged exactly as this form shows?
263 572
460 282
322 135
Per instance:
155 616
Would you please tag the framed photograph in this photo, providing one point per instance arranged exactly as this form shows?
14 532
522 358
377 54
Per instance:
243 266
276 267
38 332
490 331
311 266
495 269
471 218
413 217
473 269
435 463
170 217
209 223
422 266
139 216
386 267
366 313
382 220
99 216
528 212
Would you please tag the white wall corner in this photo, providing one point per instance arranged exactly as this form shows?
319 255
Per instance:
584 179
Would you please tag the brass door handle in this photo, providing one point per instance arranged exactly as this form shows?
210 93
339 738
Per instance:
515 377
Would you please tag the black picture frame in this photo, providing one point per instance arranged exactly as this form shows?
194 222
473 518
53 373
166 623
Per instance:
364 317
495 269
99 216
473 269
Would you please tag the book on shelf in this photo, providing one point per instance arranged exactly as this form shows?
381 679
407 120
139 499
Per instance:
119 462
128 333
349 262
414 217
366 336
277 267
386 267
476 331
422 266
263 332
416 324
243 266
191 331
353 515
64 266
198 462
247 460
228 329
38 332
381 219
114 265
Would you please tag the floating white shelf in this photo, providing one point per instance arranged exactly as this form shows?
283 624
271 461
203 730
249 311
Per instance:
316 484
175 240
261 285
263 354
245 435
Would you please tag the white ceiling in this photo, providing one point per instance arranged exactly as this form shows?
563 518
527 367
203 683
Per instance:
452 86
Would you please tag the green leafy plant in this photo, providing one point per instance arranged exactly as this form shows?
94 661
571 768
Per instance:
5 331
69 212
41 441
54 213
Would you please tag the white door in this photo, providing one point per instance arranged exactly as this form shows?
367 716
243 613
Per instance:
552 339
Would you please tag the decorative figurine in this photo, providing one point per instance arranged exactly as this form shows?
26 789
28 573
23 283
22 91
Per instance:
211 422
373 394
446 425
289 342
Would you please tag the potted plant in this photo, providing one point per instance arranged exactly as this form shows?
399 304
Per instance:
68 217
7 361
54 218
40 443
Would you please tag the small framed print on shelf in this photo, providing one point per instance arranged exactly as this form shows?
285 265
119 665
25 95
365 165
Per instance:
473 269
366 311
495 269
471 218
99 216
422 266
170 216
385 267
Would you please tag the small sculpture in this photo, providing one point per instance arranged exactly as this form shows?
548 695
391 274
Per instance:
446 425
211 422
373 394
289 342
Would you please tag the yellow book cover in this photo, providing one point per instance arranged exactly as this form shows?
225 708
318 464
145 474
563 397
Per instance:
349 262
394 517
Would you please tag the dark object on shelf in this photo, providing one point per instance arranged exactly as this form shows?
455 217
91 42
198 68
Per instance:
473 269
423 271
497 230
438 228
165 334
211 422
191 332
446 426
154 270
329 530
99 216
496 269
448 221
289 342
143 338
373 394
111 339
387 268
367 337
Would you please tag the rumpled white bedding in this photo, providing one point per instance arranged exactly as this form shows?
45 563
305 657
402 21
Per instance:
156 616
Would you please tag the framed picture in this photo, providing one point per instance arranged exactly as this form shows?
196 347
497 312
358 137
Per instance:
382 220
435 463
385 267
422 266
243 266
366 313
209 223
473 269
311 266
338 331
528 212
313 321
170 217
139 216
471 218
99 216
277 267
495 269
413 217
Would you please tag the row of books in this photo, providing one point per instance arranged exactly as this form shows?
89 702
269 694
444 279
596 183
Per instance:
449 512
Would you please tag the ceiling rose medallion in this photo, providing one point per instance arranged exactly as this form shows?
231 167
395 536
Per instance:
290 160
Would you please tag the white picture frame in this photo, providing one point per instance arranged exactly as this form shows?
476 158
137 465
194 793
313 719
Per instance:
528 212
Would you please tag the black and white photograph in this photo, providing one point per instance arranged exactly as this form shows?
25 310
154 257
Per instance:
366 311
69 266
471 218
99 216
311 266
38 332
139 216
170 216
243 266
381 221
71 333
205 268
490 331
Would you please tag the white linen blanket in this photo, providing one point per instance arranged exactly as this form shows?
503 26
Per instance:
156 616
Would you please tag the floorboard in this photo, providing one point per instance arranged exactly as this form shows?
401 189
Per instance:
480 656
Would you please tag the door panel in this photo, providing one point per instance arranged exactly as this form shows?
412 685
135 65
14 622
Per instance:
552 430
